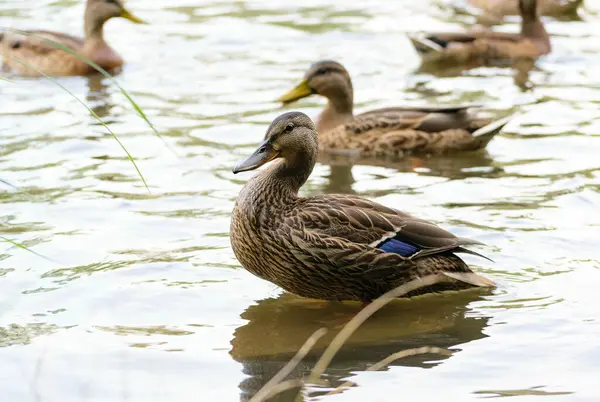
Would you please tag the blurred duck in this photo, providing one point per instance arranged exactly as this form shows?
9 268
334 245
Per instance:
43 56
333 247
484 45
502 8
394 131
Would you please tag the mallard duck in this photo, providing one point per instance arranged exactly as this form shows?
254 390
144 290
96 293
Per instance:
485 45
502 8
394 131
333 247
53 61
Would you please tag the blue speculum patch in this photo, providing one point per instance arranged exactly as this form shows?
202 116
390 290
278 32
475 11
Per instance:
398 247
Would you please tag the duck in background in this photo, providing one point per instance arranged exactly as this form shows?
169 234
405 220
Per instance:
484 45
32 49
498 9
393 131
334 247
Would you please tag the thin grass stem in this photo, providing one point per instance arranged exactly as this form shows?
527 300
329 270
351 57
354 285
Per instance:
91 112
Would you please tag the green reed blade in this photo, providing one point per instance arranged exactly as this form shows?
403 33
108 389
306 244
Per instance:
103 72
8 184
91 112
19 245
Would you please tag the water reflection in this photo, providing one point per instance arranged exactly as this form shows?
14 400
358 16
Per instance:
277 327
520 67
471 164
98 96
15 334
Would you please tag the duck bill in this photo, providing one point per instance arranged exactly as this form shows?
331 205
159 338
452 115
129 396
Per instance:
265 153
128 16
301 91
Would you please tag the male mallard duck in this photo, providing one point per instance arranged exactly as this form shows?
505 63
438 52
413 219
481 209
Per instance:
333 247
395 131
502 8
485 45
52 61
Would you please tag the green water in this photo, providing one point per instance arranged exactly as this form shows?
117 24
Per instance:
145 301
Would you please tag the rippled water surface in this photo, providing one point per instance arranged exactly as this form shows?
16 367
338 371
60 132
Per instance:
143 299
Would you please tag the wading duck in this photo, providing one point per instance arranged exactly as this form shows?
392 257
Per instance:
484 45
53 61
394 131
502 8
333 247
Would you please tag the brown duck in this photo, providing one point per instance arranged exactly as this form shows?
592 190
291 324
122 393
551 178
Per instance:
53 61
502 8
484 45
394 131
333 247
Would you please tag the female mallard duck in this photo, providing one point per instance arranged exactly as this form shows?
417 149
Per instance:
484 45
395 131
502 8
333 247
43 56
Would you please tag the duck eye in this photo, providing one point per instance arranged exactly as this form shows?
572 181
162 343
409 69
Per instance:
110 1
322 71
289 128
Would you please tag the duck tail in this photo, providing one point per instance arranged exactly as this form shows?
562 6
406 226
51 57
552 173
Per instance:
471 278
423 45
489 131
471 252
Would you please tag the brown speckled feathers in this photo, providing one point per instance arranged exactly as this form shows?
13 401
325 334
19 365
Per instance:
42 55
31 52
485 46
501 8
329 246
392 131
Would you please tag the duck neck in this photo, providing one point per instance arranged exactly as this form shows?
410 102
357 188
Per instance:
281 182
339 110
93 27
341 102
531 26
535 31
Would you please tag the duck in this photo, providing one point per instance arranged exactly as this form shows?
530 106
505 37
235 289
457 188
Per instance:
484 45
334 247
503 8
389 132
30 48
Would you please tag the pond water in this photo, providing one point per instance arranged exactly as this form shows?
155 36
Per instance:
143 299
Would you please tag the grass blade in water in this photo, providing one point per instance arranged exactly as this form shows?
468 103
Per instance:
19 245
103 72
91 112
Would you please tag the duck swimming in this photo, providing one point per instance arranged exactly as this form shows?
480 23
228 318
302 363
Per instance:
333 247
43 56
388 132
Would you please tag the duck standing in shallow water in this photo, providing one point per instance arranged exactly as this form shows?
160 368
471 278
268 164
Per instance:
333 247
56 62
486 46
389 132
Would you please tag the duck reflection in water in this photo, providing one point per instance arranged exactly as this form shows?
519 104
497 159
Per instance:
473 164
98 96
277 328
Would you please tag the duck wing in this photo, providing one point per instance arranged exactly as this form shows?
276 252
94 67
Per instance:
443 39
423 108
355 221
22 43
364 242
430 119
